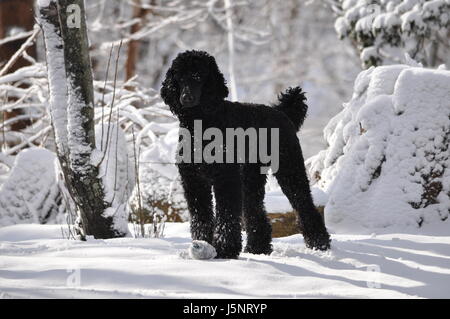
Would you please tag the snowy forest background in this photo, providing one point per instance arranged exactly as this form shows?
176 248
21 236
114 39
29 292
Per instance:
262 47
376 143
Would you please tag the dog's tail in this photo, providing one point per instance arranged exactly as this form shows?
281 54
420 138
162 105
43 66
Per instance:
292 103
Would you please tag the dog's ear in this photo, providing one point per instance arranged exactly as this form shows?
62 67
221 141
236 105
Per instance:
216 86
170 91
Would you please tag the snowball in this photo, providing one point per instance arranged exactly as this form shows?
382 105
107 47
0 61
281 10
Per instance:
200 249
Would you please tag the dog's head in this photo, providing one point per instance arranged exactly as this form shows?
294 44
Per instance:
193 81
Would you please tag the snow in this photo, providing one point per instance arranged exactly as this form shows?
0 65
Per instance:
44 3
413 18
368 53
116 172
78 145
364 24
30 193
160 156
37 262
394 28
341 26
388 138
433 7
406 5
388 147
56 80
276 202
36 70
386 20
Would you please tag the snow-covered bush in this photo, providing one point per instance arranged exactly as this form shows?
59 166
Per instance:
31 194
25 90
384 30
388 160
160 192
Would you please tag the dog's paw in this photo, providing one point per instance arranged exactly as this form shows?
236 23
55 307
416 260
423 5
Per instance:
227 251
227 255
258 250
320 241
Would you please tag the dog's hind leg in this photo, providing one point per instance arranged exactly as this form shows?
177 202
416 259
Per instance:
198 194
294 183
228 194
256 223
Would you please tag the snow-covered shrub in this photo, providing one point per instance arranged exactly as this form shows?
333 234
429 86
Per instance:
30 194
25 90
388 160
160 189
384 30
161 197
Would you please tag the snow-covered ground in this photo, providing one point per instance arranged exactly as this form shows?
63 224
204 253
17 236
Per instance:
35 261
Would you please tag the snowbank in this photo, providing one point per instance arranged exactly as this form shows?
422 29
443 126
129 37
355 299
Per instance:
387 164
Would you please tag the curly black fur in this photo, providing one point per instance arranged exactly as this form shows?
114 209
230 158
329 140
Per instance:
292 103
195 89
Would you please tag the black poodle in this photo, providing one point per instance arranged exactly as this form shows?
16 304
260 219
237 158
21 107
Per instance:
195 89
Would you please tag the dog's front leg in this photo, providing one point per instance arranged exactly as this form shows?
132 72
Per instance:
228 195
198 194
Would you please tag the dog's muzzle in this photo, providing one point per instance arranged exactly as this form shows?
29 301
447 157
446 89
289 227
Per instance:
187 98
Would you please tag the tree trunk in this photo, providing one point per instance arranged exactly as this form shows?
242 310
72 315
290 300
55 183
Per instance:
15 14
230 39
73 122
133 45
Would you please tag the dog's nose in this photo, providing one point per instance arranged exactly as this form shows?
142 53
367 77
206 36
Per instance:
186 98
